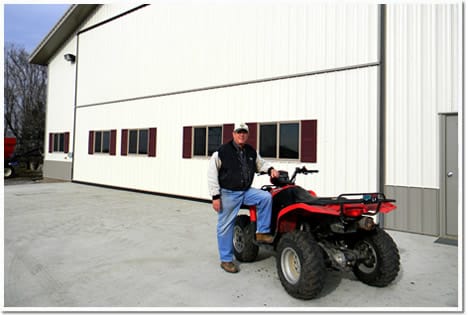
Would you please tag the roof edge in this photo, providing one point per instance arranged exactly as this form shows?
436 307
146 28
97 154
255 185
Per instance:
61 32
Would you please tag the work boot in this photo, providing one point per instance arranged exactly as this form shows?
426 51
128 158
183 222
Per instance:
264 238
229 266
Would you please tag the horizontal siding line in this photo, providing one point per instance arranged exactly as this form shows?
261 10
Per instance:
412 186
283 77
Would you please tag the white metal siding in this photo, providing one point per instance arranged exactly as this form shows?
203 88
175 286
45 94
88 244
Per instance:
107 11
60 99
343 103
181 45
423 79
176 46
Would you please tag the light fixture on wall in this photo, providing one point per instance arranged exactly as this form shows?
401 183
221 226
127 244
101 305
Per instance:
70 57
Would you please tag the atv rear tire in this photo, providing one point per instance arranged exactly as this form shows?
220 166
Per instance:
300 265
244 234
383 260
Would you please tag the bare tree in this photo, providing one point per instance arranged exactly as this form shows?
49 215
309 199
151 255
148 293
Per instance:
25 87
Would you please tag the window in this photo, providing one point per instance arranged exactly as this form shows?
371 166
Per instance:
199 141
268 141
59 142
206 140
279 140
102 141
289 141
139 141
143 142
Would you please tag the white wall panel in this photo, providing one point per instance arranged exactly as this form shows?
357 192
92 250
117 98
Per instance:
343 103
180 45
423 79
60 99
107 11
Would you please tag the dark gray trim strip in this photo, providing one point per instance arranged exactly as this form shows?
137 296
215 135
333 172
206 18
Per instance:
382 95
381 107
284 77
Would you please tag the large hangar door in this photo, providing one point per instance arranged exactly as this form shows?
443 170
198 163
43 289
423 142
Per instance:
449 176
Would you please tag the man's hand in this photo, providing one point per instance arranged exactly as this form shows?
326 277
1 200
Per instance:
216 205
274 173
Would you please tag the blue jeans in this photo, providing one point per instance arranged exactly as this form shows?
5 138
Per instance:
231 202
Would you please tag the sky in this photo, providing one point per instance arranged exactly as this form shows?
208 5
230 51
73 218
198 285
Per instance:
25 25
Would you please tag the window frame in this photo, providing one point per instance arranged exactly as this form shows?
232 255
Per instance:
278 139
307 139
206 150
59 146
137 147
59 142
101 149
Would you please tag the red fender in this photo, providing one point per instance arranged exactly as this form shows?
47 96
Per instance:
253 213
285 225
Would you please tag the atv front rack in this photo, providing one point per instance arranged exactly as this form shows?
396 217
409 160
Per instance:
374 200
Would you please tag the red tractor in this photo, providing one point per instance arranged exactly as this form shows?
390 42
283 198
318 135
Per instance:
9 161
312 233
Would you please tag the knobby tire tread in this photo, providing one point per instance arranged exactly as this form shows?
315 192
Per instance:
250 251
312 276
388 264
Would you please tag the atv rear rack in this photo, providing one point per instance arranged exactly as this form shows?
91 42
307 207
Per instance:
345 199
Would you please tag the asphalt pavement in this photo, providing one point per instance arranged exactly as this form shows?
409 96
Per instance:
75 246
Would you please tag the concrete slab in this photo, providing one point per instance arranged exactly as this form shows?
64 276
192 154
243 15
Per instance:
79 246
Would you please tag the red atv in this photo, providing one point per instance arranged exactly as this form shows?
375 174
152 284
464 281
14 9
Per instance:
312 233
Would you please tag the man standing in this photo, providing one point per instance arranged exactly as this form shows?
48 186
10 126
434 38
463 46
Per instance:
230 176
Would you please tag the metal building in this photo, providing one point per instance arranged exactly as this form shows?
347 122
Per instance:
139 96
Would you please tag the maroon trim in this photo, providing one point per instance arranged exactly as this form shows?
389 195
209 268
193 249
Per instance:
187 143
66 142
309 141
113 142
227 132
252 140
91 142
124 142
51 142
152 142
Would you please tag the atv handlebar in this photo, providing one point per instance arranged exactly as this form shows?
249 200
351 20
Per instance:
301 170
284 179
298 170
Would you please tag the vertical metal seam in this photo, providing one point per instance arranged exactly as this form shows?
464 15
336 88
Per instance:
381 108
75 103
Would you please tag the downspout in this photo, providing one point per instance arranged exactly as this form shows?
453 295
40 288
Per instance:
381 107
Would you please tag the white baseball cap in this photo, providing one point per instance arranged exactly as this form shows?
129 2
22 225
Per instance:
241 126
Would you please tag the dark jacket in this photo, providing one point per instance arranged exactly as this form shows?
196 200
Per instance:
235 173
226 169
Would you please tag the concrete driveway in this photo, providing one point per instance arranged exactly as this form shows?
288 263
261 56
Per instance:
79 246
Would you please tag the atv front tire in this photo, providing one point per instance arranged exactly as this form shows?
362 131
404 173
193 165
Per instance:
300 265
244 234
382 259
